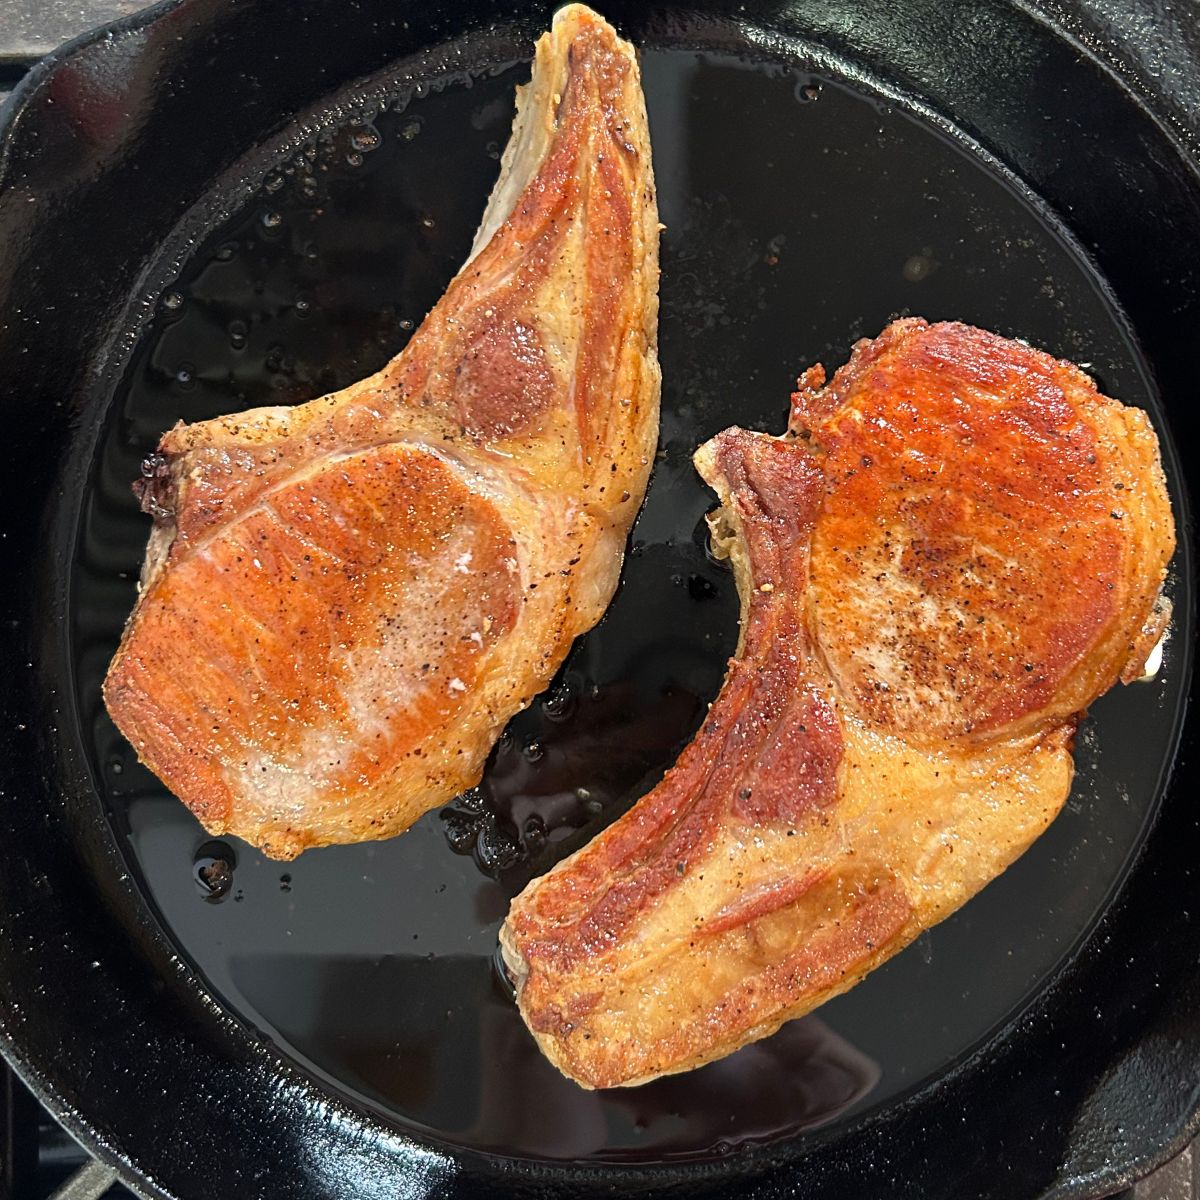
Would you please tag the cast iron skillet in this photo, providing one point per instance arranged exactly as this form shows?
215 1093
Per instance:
129 161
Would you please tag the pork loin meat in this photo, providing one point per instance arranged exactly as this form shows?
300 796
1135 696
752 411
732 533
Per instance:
956 548
344 602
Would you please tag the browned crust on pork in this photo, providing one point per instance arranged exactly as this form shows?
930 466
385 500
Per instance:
959 545
344 602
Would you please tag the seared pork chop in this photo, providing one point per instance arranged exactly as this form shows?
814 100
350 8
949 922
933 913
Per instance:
956 548
344 602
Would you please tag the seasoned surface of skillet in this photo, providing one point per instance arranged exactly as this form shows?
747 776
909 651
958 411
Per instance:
361 1002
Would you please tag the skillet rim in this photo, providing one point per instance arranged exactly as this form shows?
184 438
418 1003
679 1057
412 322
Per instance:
47 1087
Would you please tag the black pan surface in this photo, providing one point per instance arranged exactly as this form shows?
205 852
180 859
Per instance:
344 1012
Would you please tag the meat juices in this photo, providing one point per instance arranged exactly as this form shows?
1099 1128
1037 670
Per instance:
343 603
958 545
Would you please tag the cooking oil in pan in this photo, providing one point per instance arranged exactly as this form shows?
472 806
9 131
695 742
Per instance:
800 215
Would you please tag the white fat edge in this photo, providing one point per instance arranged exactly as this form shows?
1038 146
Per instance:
1153 662
528 144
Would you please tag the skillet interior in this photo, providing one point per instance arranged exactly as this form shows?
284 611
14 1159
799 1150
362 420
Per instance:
769 179
1061 1094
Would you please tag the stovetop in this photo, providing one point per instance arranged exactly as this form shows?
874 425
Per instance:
39 1160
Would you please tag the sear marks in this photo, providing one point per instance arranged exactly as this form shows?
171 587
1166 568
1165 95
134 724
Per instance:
979 539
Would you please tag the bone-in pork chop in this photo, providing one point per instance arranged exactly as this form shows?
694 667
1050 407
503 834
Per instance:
956 548
343 603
